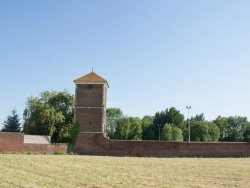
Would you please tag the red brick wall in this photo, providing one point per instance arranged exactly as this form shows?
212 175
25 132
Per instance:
11 142
45 148
96 144
89 95
14 142
93 115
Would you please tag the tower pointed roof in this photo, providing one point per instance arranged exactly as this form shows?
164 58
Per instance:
91 78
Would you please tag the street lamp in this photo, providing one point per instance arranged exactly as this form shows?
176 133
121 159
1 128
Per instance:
188 108
159 128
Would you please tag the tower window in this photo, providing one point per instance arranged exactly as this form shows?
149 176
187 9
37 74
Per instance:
89 123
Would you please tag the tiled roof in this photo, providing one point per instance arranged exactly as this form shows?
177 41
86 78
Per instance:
91 77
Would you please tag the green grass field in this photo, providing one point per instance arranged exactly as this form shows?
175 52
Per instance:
98 171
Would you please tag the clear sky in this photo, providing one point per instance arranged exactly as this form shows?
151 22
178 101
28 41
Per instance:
155 54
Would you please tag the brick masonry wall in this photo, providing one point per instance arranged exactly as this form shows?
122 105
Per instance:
45 148
86 115
14 142
97 144
11 142
89 95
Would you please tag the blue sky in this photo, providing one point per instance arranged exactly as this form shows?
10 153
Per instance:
154 54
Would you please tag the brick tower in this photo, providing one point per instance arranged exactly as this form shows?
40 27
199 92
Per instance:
90 111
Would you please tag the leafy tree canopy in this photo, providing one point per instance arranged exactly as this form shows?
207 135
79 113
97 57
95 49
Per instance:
112 115
51 114
169 116
171 133
128 128
147 128
204 131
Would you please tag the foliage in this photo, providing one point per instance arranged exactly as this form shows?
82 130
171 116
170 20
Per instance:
171 133
112 115
213 132
12 124
223 125
128 128
147 128
167 132
246 134
74 132
198 117
170 116
234 129
204 131
198 131
51 114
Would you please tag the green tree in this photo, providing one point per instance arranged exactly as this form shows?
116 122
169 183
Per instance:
233 128
170 116
246 133
12 123
204 131
113 115
174 116
128 128
177 134
172 133
199 131
147 128
223 125
51 114
236 129
198 117
167 132
213 132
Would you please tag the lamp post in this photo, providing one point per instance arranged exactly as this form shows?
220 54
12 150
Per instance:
159 128
188 108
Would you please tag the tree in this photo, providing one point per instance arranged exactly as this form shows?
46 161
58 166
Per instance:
198 117
128 128
52 114
170 116
199 131
177 134
147 128
172 133
113 115
246 133
213 132
12 124
223 125
204 131
233 128
236 129
167 132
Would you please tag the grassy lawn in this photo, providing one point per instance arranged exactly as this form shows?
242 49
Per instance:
97 171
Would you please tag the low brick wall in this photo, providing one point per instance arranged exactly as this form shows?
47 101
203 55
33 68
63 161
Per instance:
97 144
45 148
14 142
11 142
